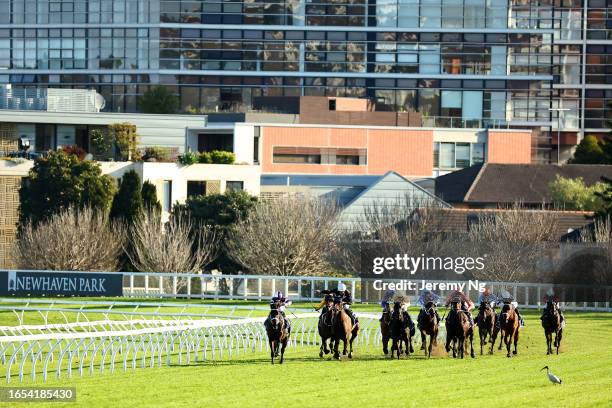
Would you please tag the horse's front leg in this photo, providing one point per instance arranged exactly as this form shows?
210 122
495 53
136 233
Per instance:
282 352
385 342
344 344
558 339
336 345
472 346
272 345
516 339
508 341
431 341
502 334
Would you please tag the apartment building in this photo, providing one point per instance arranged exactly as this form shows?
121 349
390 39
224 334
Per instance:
459 63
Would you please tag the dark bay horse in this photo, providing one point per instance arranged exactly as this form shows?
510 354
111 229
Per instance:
551 322
458 329
325 326
487 319
400 330
385 329
509 327
278 334
342 329
428 326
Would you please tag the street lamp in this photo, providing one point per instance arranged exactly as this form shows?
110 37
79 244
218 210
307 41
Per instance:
558 130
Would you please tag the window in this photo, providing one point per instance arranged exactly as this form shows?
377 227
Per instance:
347 159
234 186
332 104
196 188
478 153
166 194
462 152
297 158
447 155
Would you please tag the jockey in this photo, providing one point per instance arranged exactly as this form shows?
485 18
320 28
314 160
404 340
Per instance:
386 300
466 304
487 296
346 297
550 296
280 301
506 297
425 297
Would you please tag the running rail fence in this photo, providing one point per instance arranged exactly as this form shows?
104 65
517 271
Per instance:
138 338
299 288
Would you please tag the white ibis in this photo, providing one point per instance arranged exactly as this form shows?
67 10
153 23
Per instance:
551 377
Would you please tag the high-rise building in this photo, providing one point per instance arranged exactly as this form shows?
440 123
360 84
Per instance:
461 63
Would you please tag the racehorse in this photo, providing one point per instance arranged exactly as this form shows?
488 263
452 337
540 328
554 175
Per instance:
551 322
325 326
342 329
457 330
278 333
385 330
486 324
428 326
509 327
400 330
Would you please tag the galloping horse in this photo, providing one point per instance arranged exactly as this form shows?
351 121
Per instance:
509 326
278 333
342 329
325 326
551 322
428 326
385 329
457 330
486 324
400 330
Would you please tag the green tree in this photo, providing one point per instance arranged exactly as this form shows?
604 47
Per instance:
606 199
149 198
159 99
589 151
126 137
220 212
574 194
60 181
128 203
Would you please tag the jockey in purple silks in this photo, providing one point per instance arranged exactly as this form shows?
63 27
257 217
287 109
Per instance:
466 303
386 300
280 299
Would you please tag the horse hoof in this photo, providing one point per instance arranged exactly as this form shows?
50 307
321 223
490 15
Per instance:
321 354
508 355
350 355
515 352
386 352
327 351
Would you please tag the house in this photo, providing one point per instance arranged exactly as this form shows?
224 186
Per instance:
493 185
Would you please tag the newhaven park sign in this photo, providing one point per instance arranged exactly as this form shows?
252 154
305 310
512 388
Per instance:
33 283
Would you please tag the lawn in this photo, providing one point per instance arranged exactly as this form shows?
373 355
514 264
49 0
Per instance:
372 379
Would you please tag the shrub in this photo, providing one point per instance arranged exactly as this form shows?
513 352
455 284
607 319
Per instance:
155 154
75 150
205 157
222 157
188 158
126 140
128 204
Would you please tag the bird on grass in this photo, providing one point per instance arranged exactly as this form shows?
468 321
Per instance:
551 377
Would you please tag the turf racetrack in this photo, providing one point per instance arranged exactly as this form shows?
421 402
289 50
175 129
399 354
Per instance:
372 379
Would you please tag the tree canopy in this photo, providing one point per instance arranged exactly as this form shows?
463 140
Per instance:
574 194
159 99
128 203
593 151
60 181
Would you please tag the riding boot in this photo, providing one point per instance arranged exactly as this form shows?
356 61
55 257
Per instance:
519 316
352 316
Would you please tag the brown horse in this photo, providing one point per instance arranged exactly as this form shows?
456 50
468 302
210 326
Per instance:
428 323
342 329
400 330
551 322
278 334
458 329
486 324
325 327
509 327
385 330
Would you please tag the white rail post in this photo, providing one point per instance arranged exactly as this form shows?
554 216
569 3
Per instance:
231 288
132 285
147 285
246 288
273 286
201 287
258 288
161 286
312 289
189 287
286 291
299 289
174 282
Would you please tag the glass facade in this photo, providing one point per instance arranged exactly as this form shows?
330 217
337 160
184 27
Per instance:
456 61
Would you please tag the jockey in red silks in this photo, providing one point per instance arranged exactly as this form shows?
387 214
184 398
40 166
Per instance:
466 303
